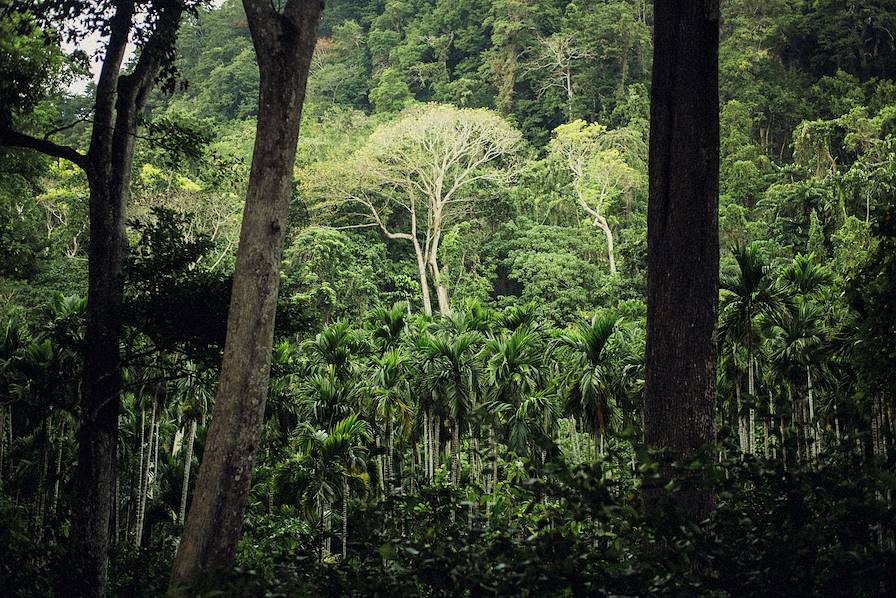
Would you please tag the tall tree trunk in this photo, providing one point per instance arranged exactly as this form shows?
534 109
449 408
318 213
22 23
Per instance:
344 517
389 473
284 42
751 391
813 425
2 441
144 480
455 451
58 472
188 458
683 245
494 446
120 100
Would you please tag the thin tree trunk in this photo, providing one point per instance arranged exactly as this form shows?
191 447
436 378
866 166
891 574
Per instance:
119 104
284 42
813 426
683 246
494 446
42 481
741 428
751 390
344 517
144 481
188 459
58 473
455 452
2 441
389 456
427 445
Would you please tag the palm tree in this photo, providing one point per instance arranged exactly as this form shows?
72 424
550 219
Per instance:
799 345
335 348
327 398
588 352
388 325
334 458
450 373
194 390
515 370
393 401
746 296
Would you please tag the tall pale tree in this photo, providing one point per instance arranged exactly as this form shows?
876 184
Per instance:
599 162
419 176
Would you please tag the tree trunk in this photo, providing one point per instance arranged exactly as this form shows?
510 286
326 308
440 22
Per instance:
421 275
120 100
813 426
58 473
389 474
455 451
683 246
344 517
284 43
2 441
188 458
494 446
441 288
751 392
427 445
603 225
144 480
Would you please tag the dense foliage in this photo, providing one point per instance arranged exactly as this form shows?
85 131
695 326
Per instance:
458 366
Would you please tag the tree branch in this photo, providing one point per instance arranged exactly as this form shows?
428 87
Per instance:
10 138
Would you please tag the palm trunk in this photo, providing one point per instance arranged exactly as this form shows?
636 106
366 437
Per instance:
494 446
188 459
813 451
741 428
144 481
751 390
455 452
427 445
344 517
42 481
389 474
2 441
437 442
58 472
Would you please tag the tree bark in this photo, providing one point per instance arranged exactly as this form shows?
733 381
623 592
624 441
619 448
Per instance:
683 246
284 42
